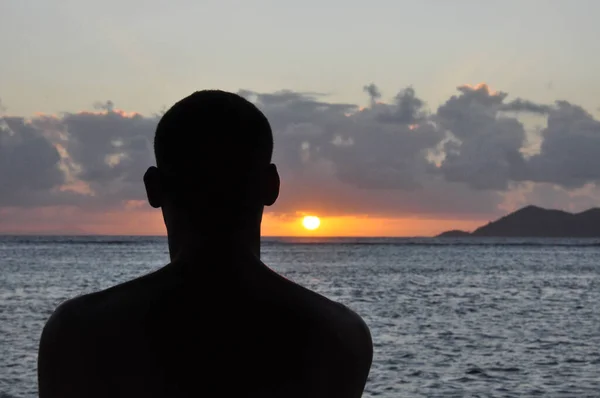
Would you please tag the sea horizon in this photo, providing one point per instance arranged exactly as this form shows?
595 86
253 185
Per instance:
328 240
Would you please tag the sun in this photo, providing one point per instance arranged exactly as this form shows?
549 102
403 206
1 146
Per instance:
311 222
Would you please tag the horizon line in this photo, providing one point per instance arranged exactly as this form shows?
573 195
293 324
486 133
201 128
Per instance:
3 234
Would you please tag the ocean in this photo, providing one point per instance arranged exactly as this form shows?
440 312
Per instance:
449 317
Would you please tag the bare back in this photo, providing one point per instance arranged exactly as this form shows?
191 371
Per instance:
175 333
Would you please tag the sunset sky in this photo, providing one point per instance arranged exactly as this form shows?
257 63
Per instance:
391 118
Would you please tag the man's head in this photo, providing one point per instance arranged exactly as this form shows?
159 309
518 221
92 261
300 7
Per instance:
213 153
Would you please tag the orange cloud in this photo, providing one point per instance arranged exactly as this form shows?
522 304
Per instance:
119 112
481 86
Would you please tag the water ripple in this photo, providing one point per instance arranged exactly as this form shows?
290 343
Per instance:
448 320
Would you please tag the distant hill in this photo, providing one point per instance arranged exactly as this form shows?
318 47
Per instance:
455 233
536 222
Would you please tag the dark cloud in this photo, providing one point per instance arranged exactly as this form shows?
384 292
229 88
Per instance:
363 150
407 109
111 149
521 105
373 92
570 150
391 158
484 151
29 163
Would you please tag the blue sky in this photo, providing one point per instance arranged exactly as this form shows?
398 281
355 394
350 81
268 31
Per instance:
143 55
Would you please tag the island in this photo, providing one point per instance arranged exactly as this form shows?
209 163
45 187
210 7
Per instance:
455 233
537 222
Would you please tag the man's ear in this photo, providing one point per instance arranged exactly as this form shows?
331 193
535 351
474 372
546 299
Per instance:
154 189
272 185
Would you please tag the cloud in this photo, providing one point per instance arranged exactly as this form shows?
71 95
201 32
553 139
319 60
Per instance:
110 150
407 109
393 159
570 149
485 149
95 158
30 164
520 105
373 92
362 149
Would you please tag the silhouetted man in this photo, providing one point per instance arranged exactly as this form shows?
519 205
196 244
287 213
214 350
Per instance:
215 322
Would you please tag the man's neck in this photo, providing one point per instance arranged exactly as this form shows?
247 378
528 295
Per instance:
194 245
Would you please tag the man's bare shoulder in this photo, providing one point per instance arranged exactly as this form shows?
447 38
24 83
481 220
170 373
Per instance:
332 318
340 348
70 340
343 353
80 315
64 344
335 316
352 333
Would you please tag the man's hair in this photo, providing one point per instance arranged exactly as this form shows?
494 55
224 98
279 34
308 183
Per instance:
209 129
